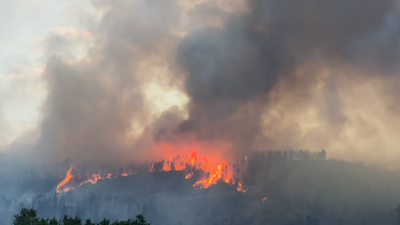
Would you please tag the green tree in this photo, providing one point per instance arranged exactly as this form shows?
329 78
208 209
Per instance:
43 222
72 221
53 222
27 217
105 222
89 222
140 220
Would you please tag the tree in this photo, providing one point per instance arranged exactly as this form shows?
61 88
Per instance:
53 222
105 222
89 222
141 220
72 221
321 154
27 217
44 222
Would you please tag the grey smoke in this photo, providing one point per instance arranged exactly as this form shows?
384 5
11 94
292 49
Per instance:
230 70
235 71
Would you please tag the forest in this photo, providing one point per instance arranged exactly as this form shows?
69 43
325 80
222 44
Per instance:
29 217
282 188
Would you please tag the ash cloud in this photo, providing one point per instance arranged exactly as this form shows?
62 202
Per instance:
273 75
91 102
232 72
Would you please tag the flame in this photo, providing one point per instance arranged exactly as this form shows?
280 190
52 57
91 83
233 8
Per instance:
193 158
218 171
239 188
227 178
65 181
94 180
179 164
204 165
189 175
216 174
167 166
211 170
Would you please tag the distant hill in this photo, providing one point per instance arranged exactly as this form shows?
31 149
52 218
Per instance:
279 191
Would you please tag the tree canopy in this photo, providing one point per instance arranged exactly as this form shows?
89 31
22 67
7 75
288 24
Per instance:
29 217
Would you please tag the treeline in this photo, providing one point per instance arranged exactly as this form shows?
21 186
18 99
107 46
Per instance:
89 205
29 217
290 155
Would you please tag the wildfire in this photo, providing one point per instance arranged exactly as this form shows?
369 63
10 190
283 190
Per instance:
212 172
189 175
93 180
65 181
240 189
193 158
216 173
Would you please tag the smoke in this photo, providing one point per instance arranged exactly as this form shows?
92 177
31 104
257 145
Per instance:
281 76
228 78
93 103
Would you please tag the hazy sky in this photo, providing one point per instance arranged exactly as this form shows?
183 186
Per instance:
25 24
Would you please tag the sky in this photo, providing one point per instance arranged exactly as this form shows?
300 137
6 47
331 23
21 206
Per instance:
22 90
108 80
22 59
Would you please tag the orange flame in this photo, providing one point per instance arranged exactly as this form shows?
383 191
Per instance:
240 189
216 174
65 181
167 166
204 166
189 175
227 178
213 172
96 177
193 158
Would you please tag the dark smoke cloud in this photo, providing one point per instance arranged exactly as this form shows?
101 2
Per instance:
230 70
254 77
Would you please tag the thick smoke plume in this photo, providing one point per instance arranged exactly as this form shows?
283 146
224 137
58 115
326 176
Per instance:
253 75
